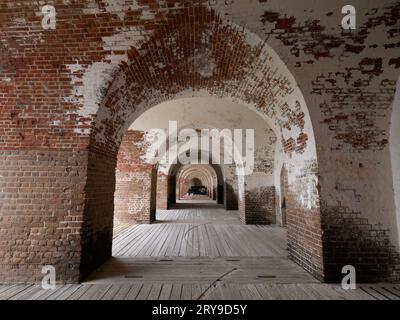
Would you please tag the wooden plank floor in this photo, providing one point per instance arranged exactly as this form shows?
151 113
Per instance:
120 228
202 270
208 231
198 291
200 253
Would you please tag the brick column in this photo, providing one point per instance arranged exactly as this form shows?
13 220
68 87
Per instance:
41 213
162 191
258 206
230 196
135 186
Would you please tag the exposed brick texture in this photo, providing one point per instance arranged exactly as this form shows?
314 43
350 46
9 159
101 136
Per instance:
162 191
134 193
304 221
350 239
68 96
259 206
97 229
42 201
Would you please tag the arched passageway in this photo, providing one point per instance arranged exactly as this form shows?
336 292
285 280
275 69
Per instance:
65 114
209 176
295 137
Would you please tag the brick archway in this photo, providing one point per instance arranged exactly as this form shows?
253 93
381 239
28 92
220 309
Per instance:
68 95
196 176
208 57
172 177
190 52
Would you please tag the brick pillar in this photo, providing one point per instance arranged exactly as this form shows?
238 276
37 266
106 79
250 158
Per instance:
171 191
135 192
41 213
259 206
162 191
220 194
230 196
97 229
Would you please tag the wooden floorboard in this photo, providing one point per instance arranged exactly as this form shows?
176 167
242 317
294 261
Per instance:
199 253
206 232
123 292
201 269
195 291
165 291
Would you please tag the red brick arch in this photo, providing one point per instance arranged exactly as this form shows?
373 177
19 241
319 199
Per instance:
174 172
107 62
205 175
53 126
206 56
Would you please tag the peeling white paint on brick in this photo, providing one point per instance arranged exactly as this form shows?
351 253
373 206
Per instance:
203 63
89 94
118 7
125 39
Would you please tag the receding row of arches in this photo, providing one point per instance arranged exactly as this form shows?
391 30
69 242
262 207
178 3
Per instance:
222 183
259 82
212 69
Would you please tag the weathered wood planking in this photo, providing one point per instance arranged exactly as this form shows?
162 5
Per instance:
199 253
188 291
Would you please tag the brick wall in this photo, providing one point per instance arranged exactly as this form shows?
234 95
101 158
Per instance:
304 230
72 88
230 197
41 203
135 181
97 228
259 206
78 87
162 191
350 239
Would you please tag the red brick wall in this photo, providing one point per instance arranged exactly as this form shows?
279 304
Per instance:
304 231
41 201
348 79
162 191
43 107
97 229
135 181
